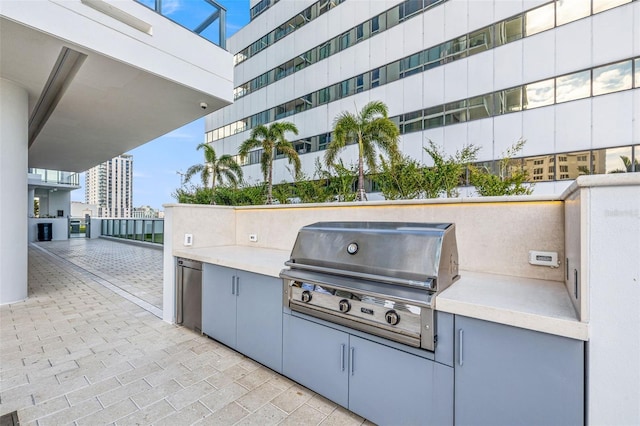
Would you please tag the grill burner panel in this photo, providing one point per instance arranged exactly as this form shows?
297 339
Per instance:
377 277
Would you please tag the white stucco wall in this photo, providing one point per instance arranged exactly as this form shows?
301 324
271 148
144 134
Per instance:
14 114
610 239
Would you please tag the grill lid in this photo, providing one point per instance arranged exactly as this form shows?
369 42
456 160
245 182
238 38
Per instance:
413 254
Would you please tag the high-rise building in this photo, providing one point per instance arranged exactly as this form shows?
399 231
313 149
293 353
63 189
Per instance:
110 186
563 75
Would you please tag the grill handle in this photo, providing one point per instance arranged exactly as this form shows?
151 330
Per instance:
342 356
428 283
351 359
460 339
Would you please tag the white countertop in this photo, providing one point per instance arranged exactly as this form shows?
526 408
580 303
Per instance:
521 302
253 259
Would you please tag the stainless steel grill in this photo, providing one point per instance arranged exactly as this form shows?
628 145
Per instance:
377 277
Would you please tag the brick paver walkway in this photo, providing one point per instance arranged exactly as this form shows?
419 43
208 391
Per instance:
75 352
134 269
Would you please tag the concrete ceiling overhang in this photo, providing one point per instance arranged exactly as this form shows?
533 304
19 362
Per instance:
108 106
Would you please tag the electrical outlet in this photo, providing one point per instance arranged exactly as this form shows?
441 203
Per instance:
188 239
544 258
253 238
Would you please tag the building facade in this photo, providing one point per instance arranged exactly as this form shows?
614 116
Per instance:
562 75
109 185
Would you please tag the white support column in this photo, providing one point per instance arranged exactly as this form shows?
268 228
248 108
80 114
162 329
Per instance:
14 151
611 248
169 267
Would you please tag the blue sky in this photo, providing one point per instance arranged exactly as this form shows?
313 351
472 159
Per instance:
156 163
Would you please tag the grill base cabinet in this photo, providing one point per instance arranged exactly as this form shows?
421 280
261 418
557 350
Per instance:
511 376
383 384
243 310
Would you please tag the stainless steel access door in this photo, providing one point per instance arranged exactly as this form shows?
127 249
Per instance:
189 294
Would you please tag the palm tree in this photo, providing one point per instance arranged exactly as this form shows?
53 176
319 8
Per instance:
369 128
272 139
215 169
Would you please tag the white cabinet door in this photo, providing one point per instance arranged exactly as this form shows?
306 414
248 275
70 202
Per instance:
219 304
259 318
316 357
511 376
391 387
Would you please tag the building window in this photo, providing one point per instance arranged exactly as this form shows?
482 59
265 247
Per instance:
573 86
375 77
324 51
434 117
602 5
412 122
538 94
455 112
411 65
323 141
375 24
612 78
480 40
410 7
360 83
571 10
360 32
540 19
509 30
345 41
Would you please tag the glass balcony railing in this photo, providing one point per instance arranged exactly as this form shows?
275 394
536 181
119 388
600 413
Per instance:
203 17
57 177
148 230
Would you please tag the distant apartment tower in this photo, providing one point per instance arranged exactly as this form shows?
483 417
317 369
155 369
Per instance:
110 186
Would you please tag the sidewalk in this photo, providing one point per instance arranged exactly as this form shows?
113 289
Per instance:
75 352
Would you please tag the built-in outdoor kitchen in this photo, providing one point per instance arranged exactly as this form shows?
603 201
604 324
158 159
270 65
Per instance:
464 311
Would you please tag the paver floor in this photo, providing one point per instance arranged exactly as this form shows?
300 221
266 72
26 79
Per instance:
134 269
76 352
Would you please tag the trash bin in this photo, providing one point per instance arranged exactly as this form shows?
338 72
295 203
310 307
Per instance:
44 231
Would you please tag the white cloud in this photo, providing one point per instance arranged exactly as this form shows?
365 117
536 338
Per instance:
171 6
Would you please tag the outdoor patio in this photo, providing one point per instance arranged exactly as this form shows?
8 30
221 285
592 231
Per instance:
88 347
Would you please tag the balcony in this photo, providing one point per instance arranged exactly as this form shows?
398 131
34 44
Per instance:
203 17
54 177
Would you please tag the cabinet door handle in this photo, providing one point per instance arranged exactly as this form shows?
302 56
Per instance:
233 285
460 338
342 356
351 359
237 286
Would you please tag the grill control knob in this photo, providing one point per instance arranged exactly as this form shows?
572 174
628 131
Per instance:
344 306
392 317
306 296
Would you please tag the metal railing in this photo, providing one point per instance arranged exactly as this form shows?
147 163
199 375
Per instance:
57 176
147 230
203 17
